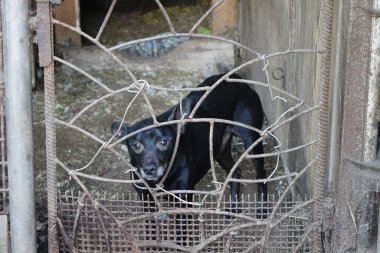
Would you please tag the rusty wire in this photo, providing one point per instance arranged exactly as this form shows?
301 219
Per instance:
135 216
104 215
319 186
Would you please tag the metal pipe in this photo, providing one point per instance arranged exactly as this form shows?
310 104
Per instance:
373 101
371 135
18 82
378 226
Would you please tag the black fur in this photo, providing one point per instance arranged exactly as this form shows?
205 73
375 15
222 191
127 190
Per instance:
150 151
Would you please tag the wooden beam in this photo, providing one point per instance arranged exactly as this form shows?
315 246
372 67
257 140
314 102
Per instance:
65 12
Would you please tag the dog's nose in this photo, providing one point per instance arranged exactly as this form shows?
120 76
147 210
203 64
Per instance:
149 169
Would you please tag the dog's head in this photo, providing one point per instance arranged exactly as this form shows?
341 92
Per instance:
150 151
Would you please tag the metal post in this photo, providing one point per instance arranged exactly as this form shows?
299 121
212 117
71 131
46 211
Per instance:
17 77
4 248
373 83
378 226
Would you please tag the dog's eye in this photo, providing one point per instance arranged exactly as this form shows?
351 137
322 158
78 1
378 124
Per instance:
164 142
137 146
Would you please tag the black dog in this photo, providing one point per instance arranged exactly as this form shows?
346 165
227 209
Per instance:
151 150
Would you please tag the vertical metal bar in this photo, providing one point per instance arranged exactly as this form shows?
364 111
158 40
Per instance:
4 227
51 157
378 226
18 81
371 135
4 247
320 172
51 151
373 83
1 37
3 165
45 45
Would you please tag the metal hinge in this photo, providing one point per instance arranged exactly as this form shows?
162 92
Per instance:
43 33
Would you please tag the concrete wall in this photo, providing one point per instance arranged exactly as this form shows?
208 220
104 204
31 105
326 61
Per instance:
269 26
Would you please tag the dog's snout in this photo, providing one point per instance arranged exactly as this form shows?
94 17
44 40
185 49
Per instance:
150 164
149 169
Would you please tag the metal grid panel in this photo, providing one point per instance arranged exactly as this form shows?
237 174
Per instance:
178 230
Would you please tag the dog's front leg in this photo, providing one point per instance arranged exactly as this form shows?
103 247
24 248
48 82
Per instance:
151 224
183 220
227 162
262 190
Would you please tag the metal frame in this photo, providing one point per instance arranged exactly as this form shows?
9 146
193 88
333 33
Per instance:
18 81
138 87
4 230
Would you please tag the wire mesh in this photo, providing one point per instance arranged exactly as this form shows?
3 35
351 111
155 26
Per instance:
92 222
180 229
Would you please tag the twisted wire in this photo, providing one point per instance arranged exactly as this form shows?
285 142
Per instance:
320 172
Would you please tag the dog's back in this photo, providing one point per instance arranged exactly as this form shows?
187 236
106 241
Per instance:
226 98
231 101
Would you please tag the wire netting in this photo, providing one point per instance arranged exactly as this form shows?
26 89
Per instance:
111 222
180 229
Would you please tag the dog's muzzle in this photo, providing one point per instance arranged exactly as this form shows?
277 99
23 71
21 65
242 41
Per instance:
152 173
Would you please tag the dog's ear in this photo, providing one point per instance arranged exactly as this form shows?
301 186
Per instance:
181 111
119 128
